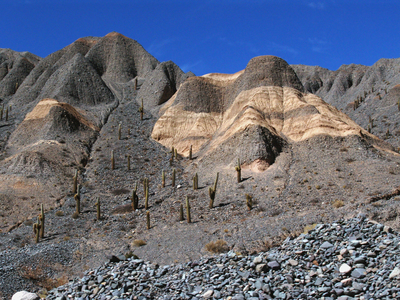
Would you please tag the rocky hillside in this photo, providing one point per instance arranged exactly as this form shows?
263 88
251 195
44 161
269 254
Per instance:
56 107
302 160
250 115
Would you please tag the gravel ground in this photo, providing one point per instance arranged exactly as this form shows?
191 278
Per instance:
348 259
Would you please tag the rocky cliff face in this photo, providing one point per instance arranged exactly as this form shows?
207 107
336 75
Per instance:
252 115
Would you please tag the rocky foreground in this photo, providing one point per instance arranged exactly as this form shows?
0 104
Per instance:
348 259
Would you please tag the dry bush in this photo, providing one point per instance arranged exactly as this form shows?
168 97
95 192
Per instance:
308 228
138 243
219 246
122 209
39 275
118 192
337 203
59 213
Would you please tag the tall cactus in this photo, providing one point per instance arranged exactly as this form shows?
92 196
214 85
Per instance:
36 230
148 219
6 113
238 171
181 212
195 182
249 201
172 154
78 203
212 191
173 177
141 110
112 160
41 219
190 152
146 195
129 162
75 182
119 131
98 209
163 178
135 199
189 219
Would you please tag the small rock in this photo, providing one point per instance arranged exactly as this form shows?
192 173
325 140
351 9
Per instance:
394 273
359 273
24 295
208 294
326 245
261 268
344 268
293 262
347 281
274 265
257 260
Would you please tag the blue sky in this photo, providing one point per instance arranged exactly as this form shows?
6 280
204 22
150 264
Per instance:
214 36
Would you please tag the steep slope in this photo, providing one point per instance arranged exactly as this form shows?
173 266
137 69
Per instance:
117 58
161 85
364 93
14 70
32 86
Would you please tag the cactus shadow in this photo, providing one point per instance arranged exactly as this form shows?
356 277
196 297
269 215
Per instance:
247 178
224 204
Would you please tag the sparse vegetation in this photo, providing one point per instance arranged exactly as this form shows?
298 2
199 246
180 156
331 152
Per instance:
138 243
218 246
337 203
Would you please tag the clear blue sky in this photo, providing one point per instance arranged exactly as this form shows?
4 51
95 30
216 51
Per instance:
214 36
